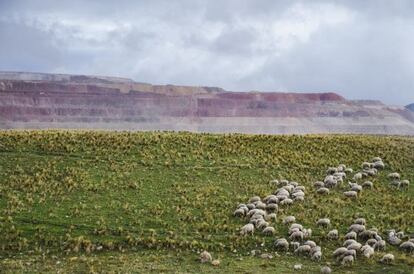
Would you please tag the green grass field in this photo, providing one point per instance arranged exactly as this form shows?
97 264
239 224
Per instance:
75 201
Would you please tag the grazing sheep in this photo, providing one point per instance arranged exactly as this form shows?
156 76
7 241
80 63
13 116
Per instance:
357 176
205 257
405 183
330 181
272 207
271 217
251 206
247 229
299 199
355 187
239 212
376 159
318 184
395 183
297 235
371 171
298 194
350 235
379 165
367 251
400 234
315 249
289 188
322 190
367 234
379 245
350 252
325 222
294 184
254 199
394 240
394 176
262 224
349 170
268 197
326 270
339 251
260 205
286 201
348 242
366 165
283 183
372 242
282 244
360 221
294 245
333 234
298 226
357 228
312 244
351 194
307 233
355 246
303 249
387 258
316 256
297 267
269 230
367 184
289 219
348 260
297 188
407 246
331 170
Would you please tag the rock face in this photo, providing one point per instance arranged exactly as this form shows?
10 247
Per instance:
34 100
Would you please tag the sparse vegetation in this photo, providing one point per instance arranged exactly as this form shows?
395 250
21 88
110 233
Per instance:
136 196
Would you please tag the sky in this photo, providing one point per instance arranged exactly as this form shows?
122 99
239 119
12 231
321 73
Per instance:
359 49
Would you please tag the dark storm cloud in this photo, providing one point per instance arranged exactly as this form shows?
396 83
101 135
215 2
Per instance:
361 49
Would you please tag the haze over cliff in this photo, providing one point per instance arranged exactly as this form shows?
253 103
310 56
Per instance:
38 100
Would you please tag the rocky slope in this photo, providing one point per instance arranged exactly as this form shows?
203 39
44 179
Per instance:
35 100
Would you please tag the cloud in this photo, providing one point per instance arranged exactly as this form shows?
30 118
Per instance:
361 49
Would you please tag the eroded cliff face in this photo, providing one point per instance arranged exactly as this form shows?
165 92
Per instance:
75 101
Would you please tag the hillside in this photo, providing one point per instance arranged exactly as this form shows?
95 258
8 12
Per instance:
410 107
35 100
150 202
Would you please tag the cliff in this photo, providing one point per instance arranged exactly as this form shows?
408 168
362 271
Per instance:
75 101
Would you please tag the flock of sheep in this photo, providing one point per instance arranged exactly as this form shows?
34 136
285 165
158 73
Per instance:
358 240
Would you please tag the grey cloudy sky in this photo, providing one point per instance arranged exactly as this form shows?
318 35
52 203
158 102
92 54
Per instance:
360 49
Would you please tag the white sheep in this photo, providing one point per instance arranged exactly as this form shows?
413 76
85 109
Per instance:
355 246
269 230
376 159
371 242
350 235
297 235
312 244
379 165
366 165
322 190
271 217
205 257
294 245
348 260
282 244
260 205
348 242
379 245
239 212
357 176
254 199
323 222
339 251
333 234
355 187
360 221
357 228
318 184
351 194
303 249
407 246
262 224
289 219
272 207
247 229
330 181
405 183
316 256
367 184
307 233
367 251
298 226
387 258
326 270
394 176
286 201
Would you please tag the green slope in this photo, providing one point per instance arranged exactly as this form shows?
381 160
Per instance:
156 199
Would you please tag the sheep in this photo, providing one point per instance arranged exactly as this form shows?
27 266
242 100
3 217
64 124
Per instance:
394 176
351 194
376 159
355 187
400 234
312 244
286 201
262 224
239 212
315 249
260 205
268 197
299 199
350 235
372 242
367 251
289 188
316 256
366 165
251 206
297 267
297 235
350 252
272 207
331 170
247 229
393 239
347 260
294 184
339 251
360 221
299 188
289 219
378 165
205 257
326 270
318 184
269 230
357 228
387 258
282 244
307 233
323 222
348 242
322 190
298 194
298 226
372 171
271 217
407 246
357 176
294 245
379 245
303 249
333 234
341 167
254 199
349 170
367 234
283 183
330 181
367 184
405 183
355 246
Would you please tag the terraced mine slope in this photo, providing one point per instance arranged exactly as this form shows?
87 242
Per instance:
30 100
77 202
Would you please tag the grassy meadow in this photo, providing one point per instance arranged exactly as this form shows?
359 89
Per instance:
84 201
